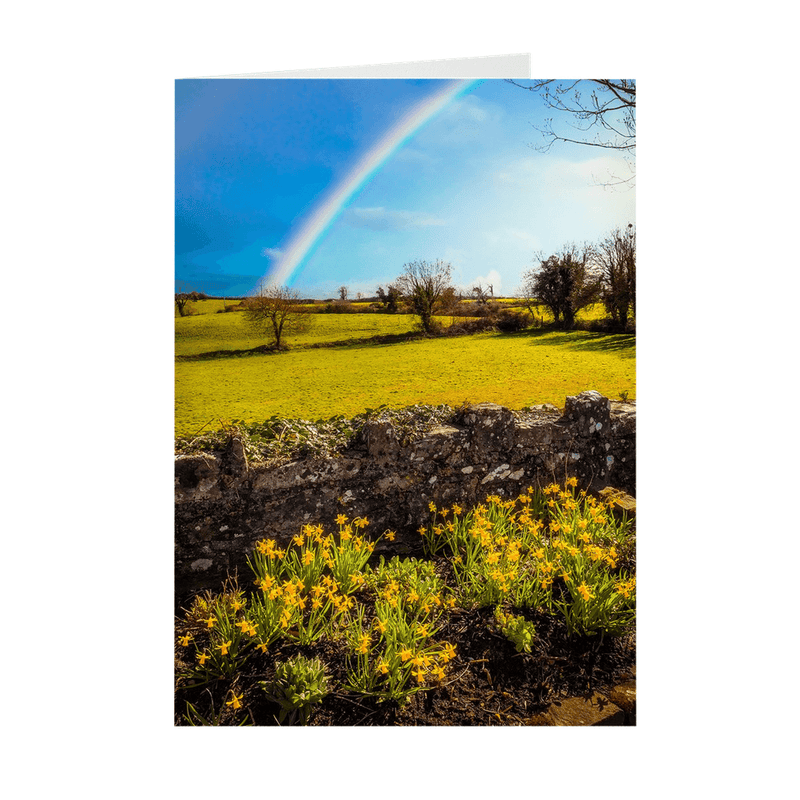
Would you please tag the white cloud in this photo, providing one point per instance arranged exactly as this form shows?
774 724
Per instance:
272 252
384 219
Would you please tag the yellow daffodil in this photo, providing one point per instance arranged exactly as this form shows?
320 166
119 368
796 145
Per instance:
211 621
184 640
223 648
202 658
390 535
308 557
405 654
383 667
456 509
236 700
583 589
432 507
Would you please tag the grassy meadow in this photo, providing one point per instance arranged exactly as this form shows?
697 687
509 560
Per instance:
209 332
514 370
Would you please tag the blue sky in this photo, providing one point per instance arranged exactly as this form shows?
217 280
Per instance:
255 157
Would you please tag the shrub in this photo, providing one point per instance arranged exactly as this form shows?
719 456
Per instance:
512 321
470 325
338 307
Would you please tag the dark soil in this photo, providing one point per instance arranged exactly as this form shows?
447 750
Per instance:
488 683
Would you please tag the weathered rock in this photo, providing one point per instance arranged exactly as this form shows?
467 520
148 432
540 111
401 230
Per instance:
620 502
196 477
624 696
582 711
589 412
223 505
381 440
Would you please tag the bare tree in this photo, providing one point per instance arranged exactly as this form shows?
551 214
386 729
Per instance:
183 299
276 311
615 256
343 292
425 285
604 112
565 282
483 294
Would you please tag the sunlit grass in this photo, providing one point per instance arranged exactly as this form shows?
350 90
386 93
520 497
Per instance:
512 370
211 332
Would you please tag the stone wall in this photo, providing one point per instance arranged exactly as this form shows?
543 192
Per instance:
223 505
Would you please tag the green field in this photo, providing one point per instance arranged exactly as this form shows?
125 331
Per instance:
209 332
514 370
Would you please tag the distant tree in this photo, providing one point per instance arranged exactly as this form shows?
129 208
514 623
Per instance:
389 298
276 311
565 282
615 257
343 292
181 302
426 285
359 296
184 299
483 294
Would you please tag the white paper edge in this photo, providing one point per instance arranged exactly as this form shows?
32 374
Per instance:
517 65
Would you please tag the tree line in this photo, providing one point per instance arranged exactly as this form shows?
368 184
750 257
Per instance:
563 282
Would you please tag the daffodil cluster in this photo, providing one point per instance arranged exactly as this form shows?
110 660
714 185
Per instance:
395 655
553 550
217 638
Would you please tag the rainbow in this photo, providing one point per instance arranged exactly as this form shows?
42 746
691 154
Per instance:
299 247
